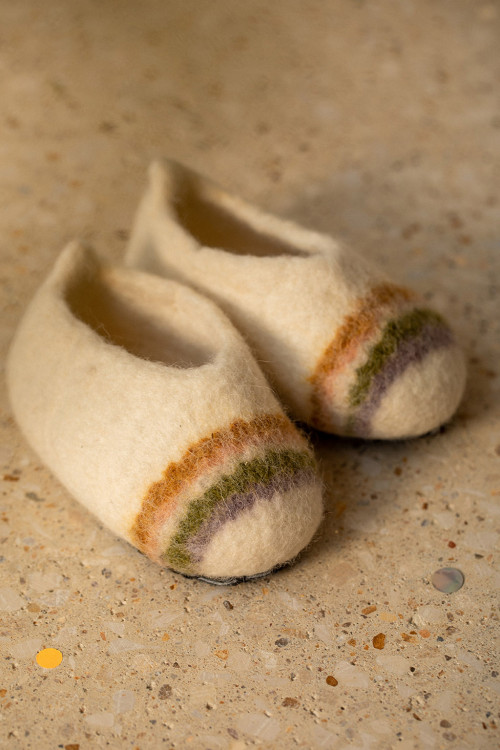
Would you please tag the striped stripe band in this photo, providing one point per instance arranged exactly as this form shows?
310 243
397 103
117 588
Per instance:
389 334
247 462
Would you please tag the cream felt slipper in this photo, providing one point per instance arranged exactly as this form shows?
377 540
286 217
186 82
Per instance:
144 400
347 350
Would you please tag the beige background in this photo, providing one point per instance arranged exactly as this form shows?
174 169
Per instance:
376 121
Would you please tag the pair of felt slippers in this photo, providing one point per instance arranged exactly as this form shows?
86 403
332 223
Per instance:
154 391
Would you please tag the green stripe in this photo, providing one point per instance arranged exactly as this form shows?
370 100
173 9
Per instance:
258 471
398 330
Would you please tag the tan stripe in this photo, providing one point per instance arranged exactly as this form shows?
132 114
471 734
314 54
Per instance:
355 330
201 457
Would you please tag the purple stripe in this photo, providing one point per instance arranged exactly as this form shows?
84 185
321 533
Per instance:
237 504
409 352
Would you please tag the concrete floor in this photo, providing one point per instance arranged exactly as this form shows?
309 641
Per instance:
375 121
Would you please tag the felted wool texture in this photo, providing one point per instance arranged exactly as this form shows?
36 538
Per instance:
143 399
346 349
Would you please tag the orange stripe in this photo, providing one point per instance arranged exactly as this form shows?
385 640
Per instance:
355 330
160 499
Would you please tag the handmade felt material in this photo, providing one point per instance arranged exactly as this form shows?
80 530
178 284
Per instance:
144 400
347 350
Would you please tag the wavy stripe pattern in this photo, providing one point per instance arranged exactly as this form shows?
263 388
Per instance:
235 492
389 334
229 511
357 328
405 341
247 462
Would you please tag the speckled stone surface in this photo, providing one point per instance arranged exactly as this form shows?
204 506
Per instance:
378 122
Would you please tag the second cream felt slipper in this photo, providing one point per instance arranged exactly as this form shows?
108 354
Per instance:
146 403
347 350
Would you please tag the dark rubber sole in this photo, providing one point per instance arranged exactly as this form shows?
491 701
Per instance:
234 581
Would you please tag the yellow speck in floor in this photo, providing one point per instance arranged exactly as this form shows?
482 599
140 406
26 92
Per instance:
49 658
